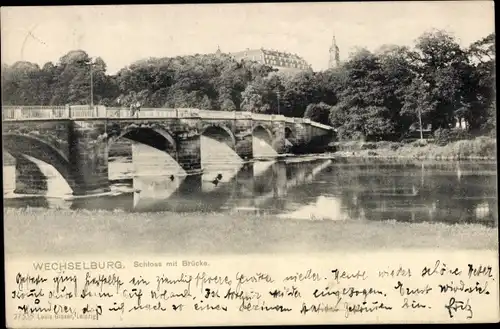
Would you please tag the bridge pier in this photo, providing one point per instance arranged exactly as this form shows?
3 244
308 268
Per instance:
243 136
88 157
189 152
278 131
280 187
244 147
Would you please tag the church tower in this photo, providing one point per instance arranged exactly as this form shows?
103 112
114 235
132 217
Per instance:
334 55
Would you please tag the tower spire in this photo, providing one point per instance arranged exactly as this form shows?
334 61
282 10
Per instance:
334 54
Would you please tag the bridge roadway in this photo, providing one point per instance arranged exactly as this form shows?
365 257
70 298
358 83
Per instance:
75 140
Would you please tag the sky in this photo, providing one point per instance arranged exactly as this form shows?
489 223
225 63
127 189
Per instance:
123 34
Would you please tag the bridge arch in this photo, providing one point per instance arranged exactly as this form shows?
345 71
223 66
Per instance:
220 133
263 133
119 145
25 148
289 133
154 137
262 145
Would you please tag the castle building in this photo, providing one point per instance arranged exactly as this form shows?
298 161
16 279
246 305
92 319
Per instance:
282 61
334 60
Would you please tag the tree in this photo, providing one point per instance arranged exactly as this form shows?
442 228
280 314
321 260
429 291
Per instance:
252 100
318 112
228 105
203 81
372 95
362 111
20 83
480 104
298 92
443 66
328 85
418 103
398 74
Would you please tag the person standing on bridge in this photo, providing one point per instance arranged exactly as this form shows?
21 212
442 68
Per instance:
135 109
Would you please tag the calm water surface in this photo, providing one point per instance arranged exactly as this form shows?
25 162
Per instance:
326 189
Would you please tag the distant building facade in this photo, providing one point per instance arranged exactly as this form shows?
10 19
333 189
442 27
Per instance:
282 61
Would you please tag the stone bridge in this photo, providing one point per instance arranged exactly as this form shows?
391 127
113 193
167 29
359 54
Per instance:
75 140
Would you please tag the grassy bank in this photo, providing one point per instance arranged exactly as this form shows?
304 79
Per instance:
481 148
67 232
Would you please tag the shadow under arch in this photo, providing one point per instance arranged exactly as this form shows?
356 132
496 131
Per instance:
19 145
289 133
159 139
263 133
220 133
290 140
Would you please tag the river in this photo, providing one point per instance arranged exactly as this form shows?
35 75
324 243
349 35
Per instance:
303 188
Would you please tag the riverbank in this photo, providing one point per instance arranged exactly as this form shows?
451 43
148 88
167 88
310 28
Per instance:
480 148
37 231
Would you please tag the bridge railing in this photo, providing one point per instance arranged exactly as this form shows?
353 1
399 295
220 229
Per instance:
243 115
83 111
278 117
86 111
145 112
188 112
50 112
34 112
118 112
320 125
263 117
217 114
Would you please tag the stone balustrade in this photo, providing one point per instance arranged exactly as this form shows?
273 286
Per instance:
13 113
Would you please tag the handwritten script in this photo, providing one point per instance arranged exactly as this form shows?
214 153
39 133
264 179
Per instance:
115 290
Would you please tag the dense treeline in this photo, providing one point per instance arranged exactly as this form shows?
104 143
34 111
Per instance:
372 95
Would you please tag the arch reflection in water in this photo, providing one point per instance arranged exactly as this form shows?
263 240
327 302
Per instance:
206 192
246 190
149 161
219 161
317 189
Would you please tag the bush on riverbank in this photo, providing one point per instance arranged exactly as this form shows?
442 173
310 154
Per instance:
479 147
444 137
